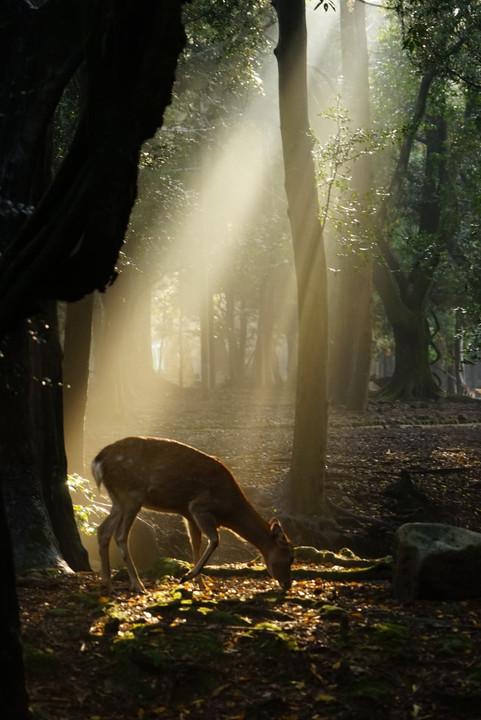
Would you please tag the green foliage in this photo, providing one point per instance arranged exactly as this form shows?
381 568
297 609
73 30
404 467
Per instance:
219 69
88 512
443 35
346 210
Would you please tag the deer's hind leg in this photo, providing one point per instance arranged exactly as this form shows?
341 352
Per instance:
121 535
104 533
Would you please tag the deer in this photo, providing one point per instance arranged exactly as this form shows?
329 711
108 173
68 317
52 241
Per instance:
169 476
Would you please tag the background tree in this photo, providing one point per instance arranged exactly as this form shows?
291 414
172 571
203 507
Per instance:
404 294
351 332
217 75
306 477
420 214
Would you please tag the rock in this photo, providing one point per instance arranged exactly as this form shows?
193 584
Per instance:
142 542
437 562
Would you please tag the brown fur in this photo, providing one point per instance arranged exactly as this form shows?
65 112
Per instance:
169 476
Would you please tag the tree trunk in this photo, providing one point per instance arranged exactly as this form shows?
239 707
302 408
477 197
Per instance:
352 334
70 245
243 326
207 343
61 243
76 368
405 296
107 391
412 378
236 341
138 369
41 517
13 696
264 354
305 492
124 372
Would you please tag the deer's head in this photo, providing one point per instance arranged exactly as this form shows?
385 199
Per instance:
279 556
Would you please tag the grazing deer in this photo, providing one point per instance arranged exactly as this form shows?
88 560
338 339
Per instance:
168 476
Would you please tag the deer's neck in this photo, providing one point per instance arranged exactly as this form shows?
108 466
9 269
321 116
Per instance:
252 527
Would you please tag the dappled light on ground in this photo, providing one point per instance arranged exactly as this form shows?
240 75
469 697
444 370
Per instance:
332 648
240 649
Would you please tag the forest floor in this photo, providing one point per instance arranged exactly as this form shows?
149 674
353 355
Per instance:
332 648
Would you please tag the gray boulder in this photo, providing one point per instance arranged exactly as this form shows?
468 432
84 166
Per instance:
437 562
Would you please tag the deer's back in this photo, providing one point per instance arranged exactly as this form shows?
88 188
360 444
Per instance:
166 475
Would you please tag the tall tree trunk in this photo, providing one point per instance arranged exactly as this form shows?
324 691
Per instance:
207 340
76 366
41 517
243 326
405 296
137 338
306 478
107 391
124 371
264 355
351 327
412 378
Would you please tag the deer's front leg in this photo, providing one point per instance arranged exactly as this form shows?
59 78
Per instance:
205 523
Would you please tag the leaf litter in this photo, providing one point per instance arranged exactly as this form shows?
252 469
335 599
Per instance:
337 649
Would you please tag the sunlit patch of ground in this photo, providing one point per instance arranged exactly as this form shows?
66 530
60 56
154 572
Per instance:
327 650
241 649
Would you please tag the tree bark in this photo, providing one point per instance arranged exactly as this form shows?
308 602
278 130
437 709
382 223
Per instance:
33 459
124 373
13 696
69 246
61 242
265 364
412 378
351 327
404 295
305 492
76 367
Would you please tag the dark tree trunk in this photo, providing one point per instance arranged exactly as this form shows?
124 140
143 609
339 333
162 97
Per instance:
62 242
76 367
13 696
70 245
47 404
306 477
405 295
33 458
413 377
243 324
